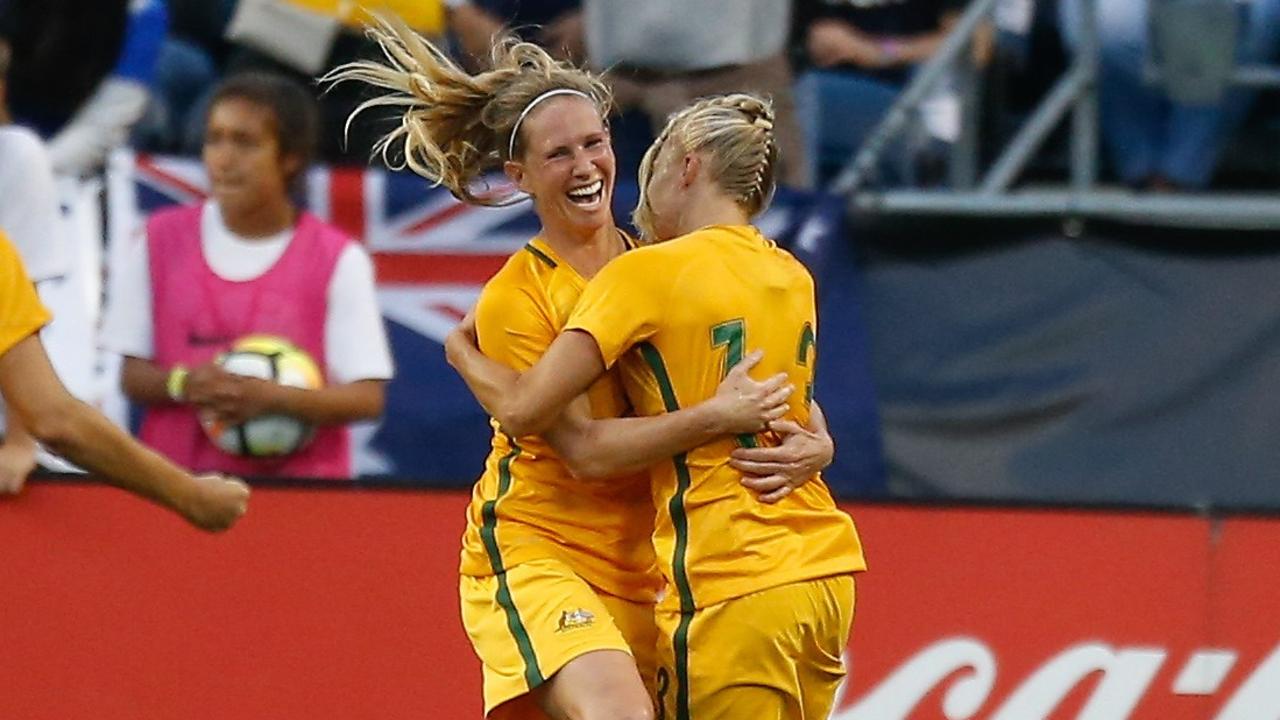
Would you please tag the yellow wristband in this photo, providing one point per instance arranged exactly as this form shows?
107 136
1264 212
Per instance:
176 385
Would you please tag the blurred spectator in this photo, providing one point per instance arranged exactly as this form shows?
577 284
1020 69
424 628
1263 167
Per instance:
249 261
82 73
858 56
1153 140
554 24
663 54
29 216
28 197
274 47
188 68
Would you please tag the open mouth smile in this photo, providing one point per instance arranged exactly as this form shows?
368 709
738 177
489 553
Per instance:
587 196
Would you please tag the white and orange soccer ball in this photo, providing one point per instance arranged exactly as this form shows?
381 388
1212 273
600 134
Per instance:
270 358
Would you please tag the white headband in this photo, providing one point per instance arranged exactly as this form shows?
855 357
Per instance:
515 129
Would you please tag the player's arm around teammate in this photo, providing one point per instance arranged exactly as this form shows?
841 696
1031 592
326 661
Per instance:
76 431
602 448
606 447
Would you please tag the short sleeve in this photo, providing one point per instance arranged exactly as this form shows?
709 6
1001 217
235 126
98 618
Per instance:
513 327
623 304
355 345
21 313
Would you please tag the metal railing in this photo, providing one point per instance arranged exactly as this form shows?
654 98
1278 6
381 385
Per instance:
991 194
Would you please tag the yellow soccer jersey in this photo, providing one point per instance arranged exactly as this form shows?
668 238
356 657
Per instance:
21 313
674 317
527 505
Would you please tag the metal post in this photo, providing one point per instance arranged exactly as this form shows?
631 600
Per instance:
963 170
855 173
1034 130
1084 125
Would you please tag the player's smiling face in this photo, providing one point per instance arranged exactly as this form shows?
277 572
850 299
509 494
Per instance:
567 163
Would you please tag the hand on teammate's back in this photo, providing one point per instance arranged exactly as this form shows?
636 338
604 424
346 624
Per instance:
774 472
466 327
748 406
462 336
217 503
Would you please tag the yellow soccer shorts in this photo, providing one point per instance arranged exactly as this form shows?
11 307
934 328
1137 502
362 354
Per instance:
771 655
528 622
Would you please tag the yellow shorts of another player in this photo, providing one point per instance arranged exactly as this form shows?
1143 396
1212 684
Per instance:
771 655
528 622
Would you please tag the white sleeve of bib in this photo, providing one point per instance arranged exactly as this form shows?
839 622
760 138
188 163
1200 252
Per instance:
127 323
355 344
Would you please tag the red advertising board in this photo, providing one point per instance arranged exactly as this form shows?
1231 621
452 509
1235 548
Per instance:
341 603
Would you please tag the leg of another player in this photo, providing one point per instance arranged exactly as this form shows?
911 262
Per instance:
599 685
758 702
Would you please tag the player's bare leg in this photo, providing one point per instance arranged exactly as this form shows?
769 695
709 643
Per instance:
599 685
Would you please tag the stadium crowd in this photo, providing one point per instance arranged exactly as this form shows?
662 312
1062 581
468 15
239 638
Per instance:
146 70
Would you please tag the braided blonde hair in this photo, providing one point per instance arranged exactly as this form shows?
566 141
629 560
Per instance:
736 133
457 126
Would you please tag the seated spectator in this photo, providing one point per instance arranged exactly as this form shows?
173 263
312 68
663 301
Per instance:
248 261
857 57
663 54
1153 141
187 69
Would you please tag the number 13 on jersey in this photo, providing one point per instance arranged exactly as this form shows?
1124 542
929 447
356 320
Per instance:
732 334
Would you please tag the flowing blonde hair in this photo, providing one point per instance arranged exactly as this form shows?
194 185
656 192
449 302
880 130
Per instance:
735 132
457 126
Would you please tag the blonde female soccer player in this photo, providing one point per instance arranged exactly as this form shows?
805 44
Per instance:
763 595
558 579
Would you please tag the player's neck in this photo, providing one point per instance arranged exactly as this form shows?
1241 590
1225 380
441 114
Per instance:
710 208
260 220
586 252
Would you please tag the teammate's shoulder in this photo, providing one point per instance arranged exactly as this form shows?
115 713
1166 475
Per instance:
712 239
667 248
643 261
528 264
523 271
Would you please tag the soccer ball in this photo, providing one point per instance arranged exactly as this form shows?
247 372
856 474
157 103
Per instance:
269 358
